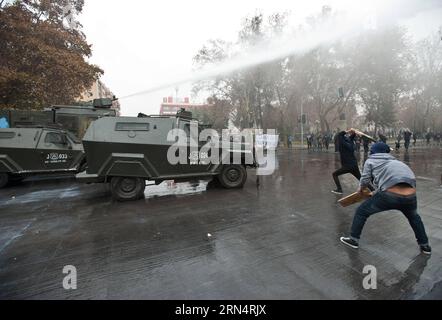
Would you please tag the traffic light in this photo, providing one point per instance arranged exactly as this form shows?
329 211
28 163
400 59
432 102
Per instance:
341 92
304 119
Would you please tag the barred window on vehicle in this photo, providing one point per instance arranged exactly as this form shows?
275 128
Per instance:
7 135
131 126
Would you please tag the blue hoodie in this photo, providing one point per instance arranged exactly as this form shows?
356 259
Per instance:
386 171
4 123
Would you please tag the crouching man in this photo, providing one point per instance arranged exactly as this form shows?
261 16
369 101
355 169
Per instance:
395 190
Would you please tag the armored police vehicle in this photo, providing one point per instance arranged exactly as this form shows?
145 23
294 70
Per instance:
33 150
73 118
127 151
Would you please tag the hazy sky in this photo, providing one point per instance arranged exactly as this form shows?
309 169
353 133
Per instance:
141 44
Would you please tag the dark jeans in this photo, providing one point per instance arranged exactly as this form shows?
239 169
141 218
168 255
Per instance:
383 201
354 170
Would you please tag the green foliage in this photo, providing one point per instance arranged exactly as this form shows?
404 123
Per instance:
376 71
42 59
216 115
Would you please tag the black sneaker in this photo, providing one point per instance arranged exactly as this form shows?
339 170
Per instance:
426 249
337 191
350 242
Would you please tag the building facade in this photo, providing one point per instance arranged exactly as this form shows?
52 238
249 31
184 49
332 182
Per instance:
99 90
171 106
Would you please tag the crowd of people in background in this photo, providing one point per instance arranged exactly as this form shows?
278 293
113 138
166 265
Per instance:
433 138
319 141
408 138
403 138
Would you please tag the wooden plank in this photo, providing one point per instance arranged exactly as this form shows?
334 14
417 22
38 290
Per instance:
354 198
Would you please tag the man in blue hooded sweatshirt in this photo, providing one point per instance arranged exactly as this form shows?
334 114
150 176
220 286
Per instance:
395 190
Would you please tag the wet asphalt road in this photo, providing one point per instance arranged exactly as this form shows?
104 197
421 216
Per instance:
278 241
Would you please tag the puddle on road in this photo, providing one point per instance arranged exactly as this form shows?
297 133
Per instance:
166 188
43 195
169 187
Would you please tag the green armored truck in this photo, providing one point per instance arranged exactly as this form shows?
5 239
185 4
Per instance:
33 150
127 151
73 118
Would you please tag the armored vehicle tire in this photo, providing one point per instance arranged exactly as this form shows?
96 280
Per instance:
4 179
127 188
233 176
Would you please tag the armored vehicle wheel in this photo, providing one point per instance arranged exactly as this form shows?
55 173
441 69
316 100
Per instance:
127 188
4 179
233 176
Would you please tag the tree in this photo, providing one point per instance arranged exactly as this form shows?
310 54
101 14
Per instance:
58 11
42 55
251 92
216 114
383 74
320 73
426 76
380 74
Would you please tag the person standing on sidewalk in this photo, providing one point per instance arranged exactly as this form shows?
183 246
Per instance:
349 162
428 137
396 190
382 137
289 141
326 140
336 141
366 144
407 138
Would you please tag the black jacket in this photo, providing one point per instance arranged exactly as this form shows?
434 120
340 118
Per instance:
347 150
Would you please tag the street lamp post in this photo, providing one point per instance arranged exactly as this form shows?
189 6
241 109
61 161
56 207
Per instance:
302 126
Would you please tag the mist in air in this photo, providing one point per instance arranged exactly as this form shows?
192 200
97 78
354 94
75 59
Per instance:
340 26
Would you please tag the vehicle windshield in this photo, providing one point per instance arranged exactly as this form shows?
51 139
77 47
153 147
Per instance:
73 137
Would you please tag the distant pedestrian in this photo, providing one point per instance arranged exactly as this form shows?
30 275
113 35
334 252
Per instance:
396 190
326 141
319 141
407 138
382 138
336 141
289 141
366 144
428 137
309 141
398 142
